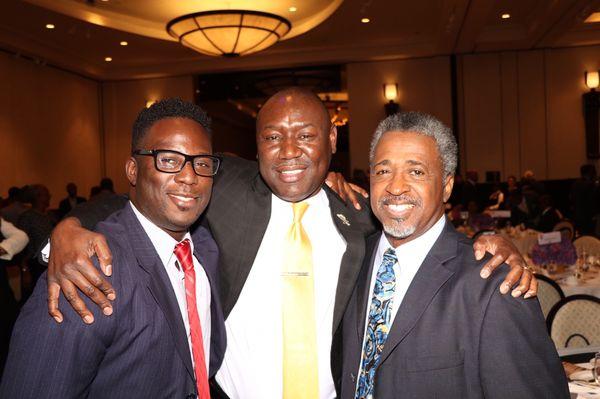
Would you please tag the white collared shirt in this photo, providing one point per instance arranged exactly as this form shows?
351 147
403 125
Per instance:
165 245
410 257
253 363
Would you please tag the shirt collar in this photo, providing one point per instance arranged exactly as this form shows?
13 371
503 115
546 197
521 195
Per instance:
162 241
420 245
316 201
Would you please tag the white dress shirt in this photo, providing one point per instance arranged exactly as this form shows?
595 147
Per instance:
15 240
253 363
410 257
165 245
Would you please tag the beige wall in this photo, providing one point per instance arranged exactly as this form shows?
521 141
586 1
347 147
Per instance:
423 85
122 101
49 128
523 110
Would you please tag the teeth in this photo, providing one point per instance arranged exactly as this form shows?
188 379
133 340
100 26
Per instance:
185 199
400 207
291 172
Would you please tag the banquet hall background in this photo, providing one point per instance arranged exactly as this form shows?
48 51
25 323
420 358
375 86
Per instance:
512 78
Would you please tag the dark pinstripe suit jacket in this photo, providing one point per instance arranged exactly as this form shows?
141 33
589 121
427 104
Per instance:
141 351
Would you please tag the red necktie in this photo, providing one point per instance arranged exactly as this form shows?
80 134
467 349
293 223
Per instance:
183 251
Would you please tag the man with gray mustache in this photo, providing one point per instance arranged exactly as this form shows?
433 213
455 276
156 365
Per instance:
420 322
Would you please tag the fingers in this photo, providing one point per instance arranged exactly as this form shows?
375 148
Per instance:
104 255
70 293
93 285
479 249
533 288
490 265
359 190
53 294
352 196
523 284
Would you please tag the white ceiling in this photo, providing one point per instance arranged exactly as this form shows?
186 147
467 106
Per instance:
398 29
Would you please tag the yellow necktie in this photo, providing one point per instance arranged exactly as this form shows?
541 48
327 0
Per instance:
300 370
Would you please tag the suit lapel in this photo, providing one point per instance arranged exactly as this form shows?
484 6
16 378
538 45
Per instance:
352 258
159 285
432 275
257 215
364 283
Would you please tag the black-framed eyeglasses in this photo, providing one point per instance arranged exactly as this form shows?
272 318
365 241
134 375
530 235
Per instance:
169 161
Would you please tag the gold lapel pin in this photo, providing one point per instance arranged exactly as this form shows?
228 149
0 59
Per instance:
343 219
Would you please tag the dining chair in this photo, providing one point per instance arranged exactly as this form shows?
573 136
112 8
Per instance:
549 293
567 227
575 322
589 244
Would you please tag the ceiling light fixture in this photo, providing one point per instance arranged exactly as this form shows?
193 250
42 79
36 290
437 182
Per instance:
228 33
108 59
365 20
594 17
50 26
505 16
123 43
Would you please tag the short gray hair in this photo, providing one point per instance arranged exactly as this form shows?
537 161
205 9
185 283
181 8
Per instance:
426 125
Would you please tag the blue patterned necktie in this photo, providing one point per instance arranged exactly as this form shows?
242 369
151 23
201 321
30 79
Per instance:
378 324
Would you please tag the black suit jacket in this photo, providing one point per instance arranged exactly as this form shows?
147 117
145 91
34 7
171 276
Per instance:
455 335
64 206
141 351
238 215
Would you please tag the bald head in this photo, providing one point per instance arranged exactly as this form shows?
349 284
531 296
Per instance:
295 94
295 141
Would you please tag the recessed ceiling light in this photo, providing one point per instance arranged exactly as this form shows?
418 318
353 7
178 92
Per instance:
49 26
365 20
108 59
505 16
123 43
292 9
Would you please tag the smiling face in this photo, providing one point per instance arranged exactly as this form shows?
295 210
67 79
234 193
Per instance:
295 142
172 201
408 187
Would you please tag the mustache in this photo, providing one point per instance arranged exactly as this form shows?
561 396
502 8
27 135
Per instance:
397 199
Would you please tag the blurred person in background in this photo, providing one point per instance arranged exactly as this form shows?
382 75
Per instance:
37 224
14 205
549 215
585 199
71 201
12 241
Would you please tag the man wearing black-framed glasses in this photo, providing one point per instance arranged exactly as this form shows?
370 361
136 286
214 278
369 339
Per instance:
167 335
170 161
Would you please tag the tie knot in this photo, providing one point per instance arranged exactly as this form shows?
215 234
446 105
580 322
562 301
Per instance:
183 252
299 209
390 255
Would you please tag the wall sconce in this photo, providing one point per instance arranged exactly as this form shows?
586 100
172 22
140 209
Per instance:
150 102
390 92
591 113
592 80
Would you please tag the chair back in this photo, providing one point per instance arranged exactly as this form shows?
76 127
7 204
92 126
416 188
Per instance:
549 293
575 322
566 227
589 244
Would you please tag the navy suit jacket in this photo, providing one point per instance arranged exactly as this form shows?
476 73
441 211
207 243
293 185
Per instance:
455 335
141 351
